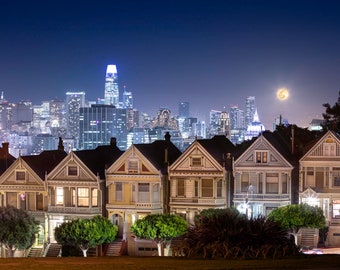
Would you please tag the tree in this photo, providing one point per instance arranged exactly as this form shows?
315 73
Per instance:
18 229
225 233
86 233
296 216
160 228
332 115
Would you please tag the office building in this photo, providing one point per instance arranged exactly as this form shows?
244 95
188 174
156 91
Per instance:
250 110
111 96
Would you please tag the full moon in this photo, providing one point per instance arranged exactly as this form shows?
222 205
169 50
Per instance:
282 93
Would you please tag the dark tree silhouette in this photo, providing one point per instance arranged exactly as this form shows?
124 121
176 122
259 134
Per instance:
332 116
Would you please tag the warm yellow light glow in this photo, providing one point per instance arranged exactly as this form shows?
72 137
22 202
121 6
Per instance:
282 93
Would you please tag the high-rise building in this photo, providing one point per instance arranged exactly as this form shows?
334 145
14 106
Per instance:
214 117
111 96
99 123
74 101
224 124
127 102
250 110
237 125
184 109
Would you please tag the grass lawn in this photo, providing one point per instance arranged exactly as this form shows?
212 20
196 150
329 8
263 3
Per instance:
165 263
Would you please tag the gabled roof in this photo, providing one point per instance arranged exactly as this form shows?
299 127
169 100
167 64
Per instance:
159 152
45 162
99 159
280 144
218 147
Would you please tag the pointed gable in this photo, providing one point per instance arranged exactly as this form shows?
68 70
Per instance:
45 162
6 159
205 154
269 149
326 148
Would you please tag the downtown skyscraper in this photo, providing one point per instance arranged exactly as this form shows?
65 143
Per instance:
111 96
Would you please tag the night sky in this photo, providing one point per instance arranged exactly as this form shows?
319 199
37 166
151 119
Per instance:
212 53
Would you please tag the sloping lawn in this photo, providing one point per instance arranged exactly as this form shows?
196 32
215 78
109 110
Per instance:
167 263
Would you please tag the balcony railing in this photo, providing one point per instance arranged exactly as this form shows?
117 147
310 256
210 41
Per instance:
204 201
262 197
135 205
74 210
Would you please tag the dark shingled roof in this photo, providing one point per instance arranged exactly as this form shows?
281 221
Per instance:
218 147
99 159
6 159
45 162
155 152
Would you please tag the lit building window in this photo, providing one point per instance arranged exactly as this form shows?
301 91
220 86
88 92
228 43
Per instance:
94 197
118 191
261 156
180 187
143 192
83 197
207 188
59 196
336 177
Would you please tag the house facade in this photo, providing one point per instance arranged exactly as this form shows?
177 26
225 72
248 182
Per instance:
201 178
137 183
319 183
263 176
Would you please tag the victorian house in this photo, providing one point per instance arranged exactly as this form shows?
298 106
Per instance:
23 186
201 178
76 185
263 175
137 183
320 181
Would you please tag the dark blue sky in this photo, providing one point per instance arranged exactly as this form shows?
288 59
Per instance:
212 53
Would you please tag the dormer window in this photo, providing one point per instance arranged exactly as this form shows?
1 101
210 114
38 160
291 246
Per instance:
72 170
261 156
20 175
196 162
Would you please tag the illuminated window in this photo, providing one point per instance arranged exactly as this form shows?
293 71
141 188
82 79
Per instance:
272 183
59 196
261 156
143 192
180 187
72 170
207 188
118 191
83 197
244 182
284 181
196 162
156 192
94 197
20 175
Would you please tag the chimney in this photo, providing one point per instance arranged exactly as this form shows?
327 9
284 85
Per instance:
5 146
61 144
113 141
167 136
293 139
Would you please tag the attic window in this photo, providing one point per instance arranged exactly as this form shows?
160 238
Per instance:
133 166
20 175
196 162
261 156
72 171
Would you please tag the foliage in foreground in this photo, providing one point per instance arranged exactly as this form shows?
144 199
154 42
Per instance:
160 228
17 228
295 216
86 233
225 233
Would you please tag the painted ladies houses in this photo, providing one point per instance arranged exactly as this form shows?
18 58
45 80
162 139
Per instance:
320 181
23 186
76 186
263 175
137 182
201 177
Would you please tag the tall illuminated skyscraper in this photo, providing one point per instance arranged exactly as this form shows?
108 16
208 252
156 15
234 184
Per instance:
111 96
250 110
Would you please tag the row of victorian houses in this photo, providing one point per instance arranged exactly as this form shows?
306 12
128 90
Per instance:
56 186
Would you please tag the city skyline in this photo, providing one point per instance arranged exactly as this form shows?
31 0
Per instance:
212 54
